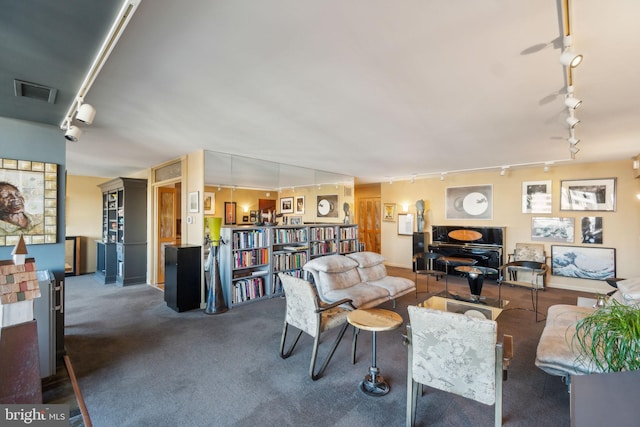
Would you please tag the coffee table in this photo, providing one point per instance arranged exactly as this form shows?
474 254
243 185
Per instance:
374 320
488 308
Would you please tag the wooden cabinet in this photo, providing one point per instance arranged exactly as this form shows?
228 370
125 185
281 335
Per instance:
182 268
124 224
252 257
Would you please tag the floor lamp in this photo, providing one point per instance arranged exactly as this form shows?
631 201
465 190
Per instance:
215 298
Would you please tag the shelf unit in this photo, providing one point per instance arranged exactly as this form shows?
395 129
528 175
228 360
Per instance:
252 257
124 232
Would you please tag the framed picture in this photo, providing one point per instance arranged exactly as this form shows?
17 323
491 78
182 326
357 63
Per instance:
327 206
194 203
286 205
583 262
229 213
552 229
245 218
253 216
472 202
389 212
405 224
591 229
209 203
295 220
536 197
588 195
299 204
34 187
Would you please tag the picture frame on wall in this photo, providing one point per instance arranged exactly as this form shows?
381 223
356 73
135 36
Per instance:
552 229
35 184
389 212
295 220
405 224
536 197
299 205
194 202
469 202
229 213
583 262
588 195
286 205
591 229
327 206
209 203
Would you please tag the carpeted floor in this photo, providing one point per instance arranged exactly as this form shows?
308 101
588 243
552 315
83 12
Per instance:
140 363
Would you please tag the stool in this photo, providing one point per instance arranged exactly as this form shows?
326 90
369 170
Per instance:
374 320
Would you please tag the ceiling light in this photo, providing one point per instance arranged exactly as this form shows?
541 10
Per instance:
572 102
569 58
573 150
573 141
441 177
86 113
73 133
572 121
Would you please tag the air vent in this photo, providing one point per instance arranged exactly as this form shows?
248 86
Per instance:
35 91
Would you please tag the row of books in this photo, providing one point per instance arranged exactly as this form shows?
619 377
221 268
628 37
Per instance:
248 289
349 233
242 259
323 233
348 246
289 261
290 235
322 248
276 287
249 239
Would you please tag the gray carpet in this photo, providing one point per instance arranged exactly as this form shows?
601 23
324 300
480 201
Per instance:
140 363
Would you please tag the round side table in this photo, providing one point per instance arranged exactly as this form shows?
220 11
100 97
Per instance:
374 320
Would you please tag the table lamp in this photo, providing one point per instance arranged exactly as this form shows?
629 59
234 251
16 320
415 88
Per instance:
215 298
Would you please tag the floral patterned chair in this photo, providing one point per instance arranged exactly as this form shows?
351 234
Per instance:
306 313
455 353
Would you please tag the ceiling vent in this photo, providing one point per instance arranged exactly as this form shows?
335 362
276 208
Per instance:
35 91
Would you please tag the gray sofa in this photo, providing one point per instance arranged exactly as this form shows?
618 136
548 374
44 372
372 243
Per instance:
555 354
361 277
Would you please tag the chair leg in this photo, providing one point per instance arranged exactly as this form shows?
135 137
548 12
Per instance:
316 342
498 379
286 354
354 341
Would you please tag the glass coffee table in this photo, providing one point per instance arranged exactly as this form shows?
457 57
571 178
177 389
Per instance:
489 308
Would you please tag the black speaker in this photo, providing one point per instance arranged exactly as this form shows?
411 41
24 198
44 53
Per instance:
420 245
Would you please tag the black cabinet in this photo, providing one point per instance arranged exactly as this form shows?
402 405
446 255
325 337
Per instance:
182 267
420 244
106 262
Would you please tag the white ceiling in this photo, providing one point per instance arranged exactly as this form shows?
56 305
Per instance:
375 89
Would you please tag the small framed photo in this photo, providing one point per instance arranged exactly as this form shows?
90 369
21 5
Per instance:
552 229
295 220
583 262
588 195
389 212
245 218
299 204
209 207
536 197
405 224
229 213
194 205
286 205
591 229
253 216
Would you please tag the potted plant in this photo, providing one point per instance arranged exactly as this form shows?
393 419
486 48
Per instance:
609 338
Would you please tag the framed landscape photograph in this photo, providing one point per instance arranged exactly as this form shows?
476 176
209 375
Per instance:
588 195
583 262
286 205
536 197
389 212
471 202
552 229
295 220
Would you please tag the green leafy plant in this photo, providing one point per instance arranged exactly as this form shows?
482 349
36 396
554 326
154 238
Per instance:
609 338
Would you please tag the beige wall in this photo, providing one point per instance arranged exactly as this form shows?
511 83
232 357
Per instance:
621 228
84 216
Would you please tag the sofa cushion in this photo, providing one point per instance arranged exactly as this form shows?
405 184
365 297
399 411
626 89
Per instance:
331 264
362 295
366 259
373 273
341 280
630 290
396 286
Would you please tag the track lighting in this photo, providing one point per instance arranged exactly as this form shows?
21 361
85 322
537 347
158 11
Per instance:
572 102
573 150
73 133
569 58
441 177
503 171
86 113
572 121
573 141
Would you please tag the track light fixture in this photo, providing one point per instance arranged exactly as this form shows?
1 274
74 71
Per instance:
442 177
573 150
73 133
572 121
86 113
573 141
569 58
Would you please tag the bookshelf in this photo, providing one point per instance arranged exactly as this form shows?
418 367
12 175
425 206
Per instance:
253 256
124 225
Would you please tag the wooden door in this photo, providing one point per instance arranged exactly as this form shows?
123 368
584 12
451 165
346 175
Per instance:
369 216
167 234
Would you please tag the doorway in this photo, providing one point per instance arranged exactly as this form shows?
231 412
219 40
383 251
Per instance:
169 225
369 215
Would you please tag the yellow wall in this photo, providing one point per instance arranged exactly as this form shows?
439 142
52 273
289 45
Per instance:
621 228
84 216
